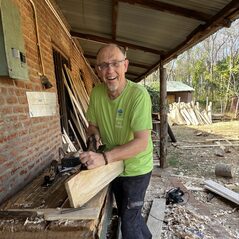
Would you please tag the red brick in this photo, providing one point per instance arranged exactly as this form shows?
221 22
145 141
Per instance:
20 92
2 100
3 91
12 100
2 159
19 109
6 110
11 91
22 100
31 166
2 189
20 84
14 170
23 172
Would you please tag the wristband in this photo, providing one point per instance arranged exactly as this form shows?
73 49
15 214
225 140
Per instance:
105 158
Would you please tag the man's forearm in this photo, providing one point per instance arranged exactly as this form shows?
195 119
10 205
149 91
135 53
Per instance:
132 148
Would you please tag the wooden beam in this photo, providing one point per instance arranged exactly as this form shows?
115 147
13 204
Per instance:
139 65
131 73
87 183
120 43
222 191
206 146
172 9
156 217
163 117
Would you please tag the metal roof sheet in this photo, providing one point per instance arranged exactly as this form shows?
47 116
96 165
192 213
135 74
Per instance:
178 86
154 31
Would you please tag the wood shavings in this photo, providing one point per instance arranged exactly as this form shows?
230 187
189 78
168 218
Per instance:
22 205
184 223
223 212
36 220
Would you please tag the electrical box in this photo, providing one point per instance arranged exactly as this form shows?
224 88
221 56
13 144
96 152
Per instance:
12 50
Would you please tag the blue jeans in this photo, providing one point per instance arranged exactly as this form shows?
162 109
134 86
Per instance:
129 195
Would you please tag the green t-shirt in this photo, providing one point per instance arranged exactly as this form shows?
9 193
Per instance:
118 119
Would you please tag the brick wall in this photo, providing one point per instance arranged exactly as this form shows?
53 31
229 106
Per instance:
27 144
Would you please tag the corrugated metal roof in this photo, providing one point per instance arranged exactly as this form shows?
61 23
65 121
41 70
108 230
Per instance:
178 86
152 30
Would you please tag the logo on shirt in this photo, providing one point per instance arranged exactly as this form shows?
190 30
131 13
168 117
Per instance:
119 119
119 112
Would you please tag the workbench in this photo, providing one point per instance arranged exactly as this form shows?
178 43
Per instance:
38 212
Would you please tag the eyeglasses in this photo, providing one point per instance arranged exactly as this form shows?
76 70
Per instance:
114 64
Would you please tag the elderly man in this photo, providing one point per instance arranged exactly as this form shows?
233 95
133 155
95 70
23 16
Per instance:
119 115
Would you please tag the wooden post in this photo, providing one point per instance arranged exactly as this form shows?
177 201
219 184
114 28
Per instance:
163 116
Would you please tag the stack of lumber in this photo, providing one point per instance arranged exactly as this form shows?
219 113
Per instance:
79 100
189 114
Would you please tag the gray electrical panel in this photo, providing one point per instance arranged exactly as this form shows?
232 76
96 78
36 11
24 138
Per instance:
12 50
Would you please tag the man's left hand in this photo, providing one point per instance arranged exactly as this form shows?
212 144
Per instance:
91 159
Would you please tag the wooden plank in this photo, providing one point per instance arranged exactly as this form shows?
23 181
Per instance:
86 184
90 210
222 191
75 233
156 217
206 146
74 101
185 115
106 216
34 195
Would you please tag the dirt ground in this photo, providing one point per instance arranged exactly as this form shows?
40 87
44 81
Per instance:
190 162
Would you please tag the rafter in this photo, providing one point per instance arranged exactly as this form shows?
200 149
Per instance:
172 9
121 43
132 73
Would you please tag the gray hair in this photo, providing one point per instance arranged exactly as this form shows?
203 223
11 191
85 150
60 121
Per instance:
122 49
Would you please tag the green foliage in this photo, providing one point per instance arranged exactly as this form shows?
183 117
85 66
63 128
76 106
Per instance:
154 95
211 67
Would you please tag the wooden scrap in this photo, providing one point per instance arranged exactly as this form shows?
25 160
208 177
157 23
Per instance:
90 211
77 140
233 187
105 218
219 152
205 146
195 188
222 191
224 170
66 140
156 217
87 183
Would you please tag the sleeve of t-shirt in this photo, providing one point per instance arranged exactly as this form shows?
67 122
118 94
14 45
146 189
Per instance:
141 112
